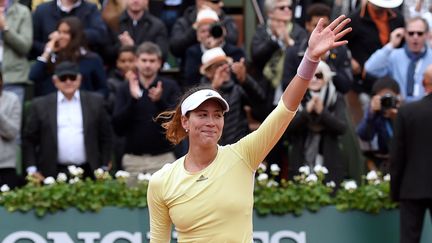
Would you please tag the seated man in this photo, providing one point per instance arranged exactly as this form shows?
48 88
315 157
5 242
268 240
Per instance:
376 127
69 127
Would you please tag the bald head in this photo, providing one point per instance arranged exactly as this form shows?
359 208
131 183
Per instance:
427 79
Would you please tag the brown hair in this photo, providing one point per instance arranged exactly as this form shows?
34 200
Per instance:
171 120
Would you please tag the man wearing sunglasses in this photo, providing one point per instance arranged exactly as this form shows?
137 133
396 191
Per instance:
405 64
69 127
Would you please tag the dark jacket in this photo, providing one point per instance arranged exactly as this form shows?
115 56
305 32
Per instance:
183 35
134 118
40 133
411 153
376 125
332 120
193 61
148 28
47 15
91 69
364 40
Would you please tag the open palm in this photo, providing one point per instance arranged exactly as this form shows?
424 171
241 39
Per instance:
323 39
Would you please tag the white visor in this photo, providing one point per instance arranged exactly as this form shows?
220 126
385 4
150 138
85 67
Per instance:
196 99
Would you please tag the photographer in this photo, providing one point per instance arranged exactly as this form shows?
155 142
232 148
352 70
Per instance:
235 86
210 33
376 127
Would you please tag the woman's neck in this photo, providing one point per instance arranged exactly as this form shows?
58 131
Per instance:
198 159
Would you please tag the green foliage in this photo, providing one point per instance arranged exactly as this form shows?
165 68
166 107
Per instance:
306 192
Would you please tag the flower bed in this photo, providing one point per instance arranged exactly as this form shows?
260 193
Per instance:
306 192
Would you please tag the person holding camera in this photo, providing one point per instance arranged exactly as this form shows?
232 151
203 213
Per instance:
376 127
404 64
210 33
235 86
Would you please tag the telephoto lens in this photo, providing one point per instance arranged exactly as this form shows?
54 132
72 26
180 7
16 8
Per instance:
216 30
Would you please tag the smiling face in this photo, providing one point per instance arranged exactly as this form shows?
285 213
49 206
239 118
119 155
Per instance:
64 35
205 124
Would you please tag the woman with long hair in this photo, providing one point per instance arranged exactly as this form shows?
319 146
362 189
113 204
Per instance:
68 43
208 193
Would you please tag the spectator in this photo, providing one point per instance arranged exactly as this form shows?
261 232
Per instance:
376 19
272 38
338 59
10 126
313 136
268 49
69 127
16 36
68 43
407 64
125 63
137 25
410 163
238 89
207 23
47 16
376 127
183 34
144 96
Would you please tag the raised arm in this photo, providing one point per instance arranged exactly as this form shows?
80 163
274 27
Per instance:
321 40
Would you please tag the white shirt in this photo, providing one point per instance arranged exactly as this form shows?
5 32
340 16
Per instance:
70 130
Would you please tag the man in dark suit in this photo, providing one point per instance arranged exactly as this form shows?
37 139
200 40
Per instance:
69 127
411 163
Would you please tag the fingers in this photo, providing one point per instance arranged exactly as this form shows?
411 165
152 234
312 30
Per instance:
342 25
336 22
343 33
339 43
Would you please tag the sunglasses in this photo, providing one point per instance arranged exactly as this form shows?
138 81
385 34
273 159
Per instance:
419 33
215 1
70 77
319 75
282 8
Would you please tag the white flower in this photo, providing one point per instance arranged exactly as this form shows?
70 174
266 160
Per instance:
99 173
262 177
387 177
262 167
122 174
320 168
350 185
61 177
272 183
371 175
4 188
74 180
331 184
75 171
304 170
376 182
49 180
311 178
274 168
144 177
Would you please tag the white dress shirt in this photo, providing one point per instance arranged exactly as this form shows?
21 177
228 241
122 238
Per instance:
70 130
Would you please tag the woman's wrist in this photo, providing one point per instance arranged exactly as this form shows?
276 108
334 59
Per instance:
307 67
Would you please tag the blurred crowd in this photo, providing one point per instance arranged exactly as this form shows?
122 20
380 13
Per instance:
83 80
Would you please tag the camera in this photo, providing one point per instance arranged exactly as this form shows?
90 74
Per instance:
388 101
216 30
